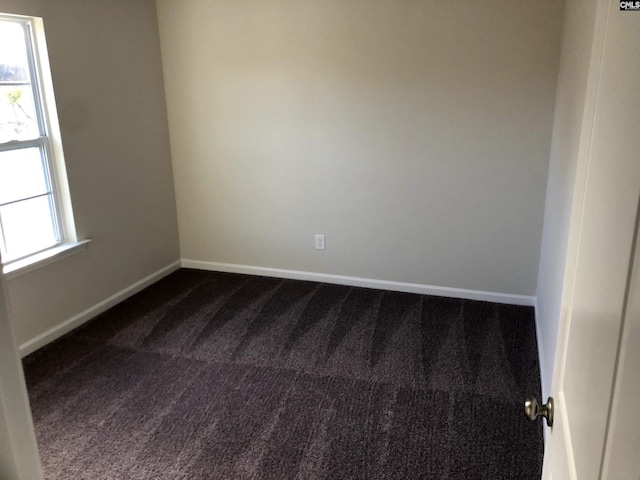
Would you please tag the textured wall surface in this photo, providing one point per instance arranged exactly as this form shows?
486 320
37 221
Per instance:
107 74
414 135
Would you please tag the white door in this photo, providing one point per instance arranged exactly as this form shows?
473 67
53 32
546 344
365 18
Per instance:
599 262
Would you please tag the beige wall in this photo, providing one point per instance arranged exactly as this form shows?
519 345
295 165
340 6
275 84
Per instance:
107 74
414 134
568 138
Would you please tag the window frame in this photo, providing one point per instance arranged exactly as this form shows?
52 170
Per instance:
49 143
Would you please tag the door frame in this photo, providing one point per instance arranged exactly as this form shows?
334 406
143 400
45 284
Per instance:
19 456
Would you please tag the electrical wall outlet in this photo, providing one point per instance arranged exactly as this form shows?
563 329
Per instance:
320 242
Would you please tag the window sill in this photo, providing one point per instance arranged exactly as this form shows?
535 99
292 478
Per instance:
19 267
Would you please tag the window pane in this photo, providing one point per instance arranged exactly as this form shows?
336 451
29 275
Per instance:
18 117
22 174
28 226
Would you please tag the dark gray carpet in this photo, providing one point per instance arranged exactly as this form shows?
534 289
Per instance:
220 376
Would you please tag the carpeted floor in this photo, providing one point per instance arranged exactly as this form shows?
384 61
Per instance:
221 376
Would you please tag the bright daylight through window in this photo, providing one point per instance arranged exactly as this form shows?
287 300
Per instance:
35 216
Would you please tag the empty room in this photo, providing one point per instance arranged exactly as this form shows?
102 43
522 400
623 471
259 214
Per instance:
319 239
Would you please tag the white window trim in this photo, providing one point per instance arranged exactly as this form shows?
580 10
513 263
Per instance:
69 243
38 260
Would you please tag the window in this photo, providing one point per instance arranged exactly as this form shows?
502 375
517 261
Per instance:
35 216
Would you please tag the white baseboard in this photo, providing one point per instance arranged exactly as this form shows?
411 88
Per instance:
52 334
364 282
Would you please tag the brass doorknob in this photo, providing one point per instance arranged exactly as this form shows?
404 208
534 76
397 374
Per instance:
533 410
